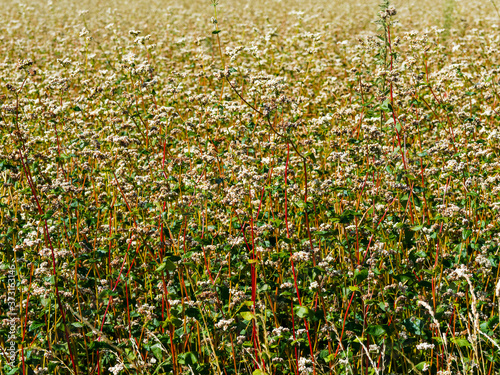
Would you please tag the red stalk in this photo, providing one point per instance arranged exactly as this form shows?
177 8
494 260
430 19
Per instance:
49 241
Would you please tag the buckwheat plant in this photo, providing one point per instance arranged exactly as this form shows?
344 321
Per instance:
249 187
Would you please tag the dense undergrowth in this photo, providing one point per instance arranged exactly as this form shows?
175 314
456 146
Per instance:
279 189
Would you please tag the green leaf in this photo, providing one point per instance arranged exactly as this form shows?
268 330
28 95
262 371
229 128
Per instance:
461 342
420 366
34 326
259 372
176 322
376 330
216 31
188 358
161 267
398 127
263 288
361 275
304 312
323 354
168 264
466 233
414 326
386 106
156 349
408 276
247 315
330 358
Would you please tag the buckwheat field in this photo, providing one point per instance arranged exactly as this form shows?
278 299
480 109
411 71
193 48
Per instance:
249 187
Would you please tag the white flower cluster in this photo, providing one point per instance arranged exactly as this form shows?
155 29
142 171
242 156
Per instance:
224 324
301 256
304 368
425 346
116 369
